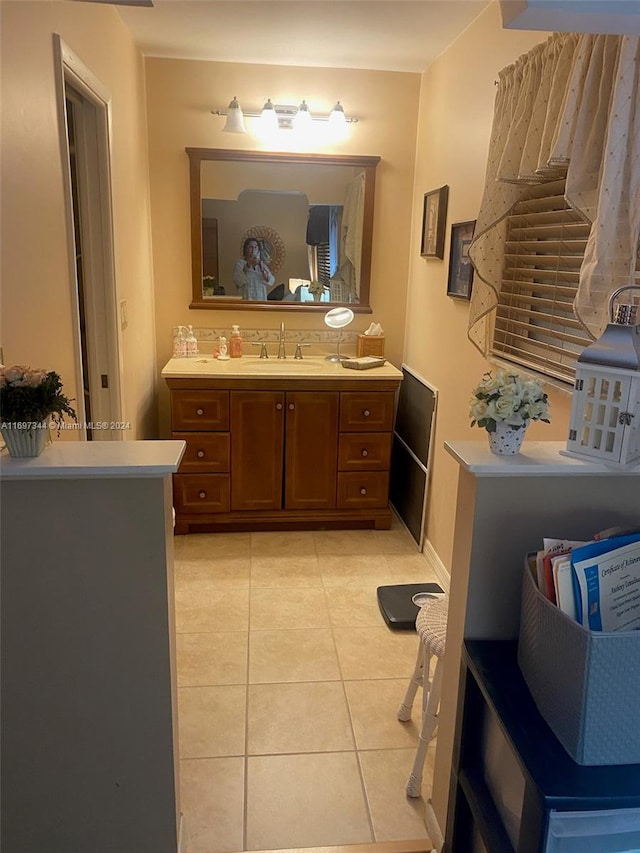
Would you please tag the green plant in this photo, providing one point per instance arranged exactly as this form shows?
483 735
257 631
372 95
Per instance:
30 395
507 397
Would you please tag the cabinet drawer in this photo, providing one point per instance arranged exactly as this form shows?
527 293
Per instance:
363 489
366 410
199 410
200 493
366 451
205 452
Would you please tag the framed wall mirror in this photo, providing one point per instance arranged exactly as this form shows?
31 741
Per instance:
280 231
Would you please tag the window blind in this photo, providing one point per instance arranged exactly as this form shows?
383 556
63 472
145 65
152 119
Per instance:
324 263
535 325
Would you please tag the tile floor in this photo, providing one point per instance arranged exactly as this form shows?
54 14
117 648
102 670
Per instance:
288 687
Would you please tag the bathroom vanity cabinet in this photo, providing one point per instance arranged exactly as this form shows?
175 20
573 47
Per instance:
277 452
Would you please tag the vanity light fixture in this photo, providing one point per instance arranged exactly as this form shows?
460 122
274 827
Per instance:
282 116
302 119
269 117
337 118
235 118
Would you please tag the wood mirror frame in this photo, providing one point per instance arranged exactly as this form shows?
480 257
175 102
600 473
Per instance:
196 158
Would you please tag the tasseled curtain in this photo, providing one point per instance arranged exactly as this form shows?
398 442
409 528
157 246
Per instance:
572 105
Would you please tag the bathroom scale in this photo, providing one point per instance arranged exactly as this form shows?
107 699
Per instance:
397 606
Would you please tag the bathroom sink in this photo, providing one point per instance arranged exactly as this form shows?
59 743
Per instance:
288 365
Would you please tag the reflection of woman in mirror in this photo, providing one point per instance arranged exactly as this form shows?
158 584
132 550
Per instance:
251 275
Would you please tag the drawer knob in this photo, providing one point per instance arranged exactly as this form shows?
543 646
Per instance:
291 407
278 406
200 454
366 413
363 491
199 411
364 452
202 495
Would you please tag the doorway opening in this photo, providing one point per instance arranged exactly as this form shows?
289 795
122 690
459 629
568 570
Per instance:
84 119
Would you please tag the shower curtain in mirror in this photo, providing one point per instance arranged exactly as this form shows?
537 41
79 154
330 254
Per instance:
570 106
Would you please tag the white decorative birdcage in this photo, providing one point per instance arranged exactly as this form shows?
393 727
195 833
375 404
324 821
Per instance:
605 411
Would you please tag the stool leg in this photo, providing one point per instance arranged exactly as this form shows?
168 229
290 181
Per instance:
429 722
404 711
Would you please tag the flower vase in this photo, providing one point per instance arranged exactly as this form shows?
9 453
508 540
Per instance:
506 441
25 439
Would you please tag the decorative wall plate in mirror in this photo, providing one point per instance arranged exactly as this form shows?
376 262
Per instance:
271 244
317 215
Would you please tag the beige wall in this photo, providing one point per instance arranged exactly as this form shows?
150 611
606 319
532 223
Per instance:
456 112
450 109
37 317
181 95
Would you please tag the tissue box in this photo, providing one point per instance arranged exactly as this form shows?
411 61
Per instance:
585 683
370 345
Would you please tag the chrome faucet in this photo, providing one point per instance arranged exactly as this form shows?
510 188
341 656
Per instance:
281 353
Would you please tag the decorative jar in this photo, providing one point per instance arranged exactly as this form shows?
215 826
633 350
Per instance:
506 440
25 439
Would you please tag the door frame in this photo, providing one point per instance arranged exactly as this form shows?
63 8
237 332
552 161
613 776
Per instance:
103 341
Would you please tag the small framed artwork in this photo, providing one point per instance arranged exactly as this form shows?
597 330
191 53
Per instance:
460 267
434 220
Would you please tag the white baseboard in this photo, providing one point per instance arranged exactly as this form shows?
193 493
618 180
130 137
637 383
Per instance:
439 567
433 828
182 835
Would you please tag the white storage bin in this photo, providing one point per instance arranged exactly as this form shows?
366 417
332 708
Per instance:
586 684
607 831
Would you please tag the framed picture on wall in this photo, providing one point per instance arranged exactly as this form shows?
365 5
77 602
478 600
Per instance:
460 278
434 221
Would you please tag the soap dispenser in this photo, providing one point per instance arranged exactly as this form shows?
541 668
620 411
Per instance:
192 344
179 343
235 342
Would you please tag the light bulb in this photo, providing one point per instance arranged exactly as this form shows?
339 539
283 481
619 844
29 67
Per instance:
337 117
269 117
303 118
235 118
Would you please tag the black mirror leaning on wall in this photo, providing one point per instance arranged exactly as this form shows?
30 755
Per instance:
312 215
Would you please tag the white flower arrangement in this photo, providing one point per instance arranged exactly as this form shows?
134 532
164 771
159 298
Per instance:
316 287
31 395
509 398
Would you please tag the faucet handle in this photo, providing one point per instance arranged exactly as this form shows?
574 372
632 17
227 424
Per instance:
263 348
298 353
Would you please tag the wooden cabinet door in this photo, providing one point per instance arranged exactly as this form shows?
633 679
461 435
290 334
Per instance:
257 435
311 449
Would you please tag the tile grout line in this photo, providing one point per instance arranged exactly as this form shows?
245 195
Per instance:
245 804
353 733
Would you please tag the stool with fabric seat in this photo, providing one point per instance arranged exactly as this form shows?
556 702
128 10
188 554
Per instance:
431 627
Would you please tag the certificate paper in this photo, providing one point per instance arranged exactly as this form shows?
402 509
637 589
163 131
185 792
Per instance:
608 585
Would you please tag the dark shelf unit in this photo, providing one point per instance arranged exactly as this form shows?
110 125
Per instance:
491 683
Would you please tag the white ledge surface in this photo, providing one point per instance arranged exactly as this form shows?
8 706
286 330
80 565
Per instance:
253 367
536 459
73 459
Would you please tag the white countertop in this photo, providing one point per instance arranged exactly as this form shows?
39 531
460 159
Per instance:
536 459
73 459
253 367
